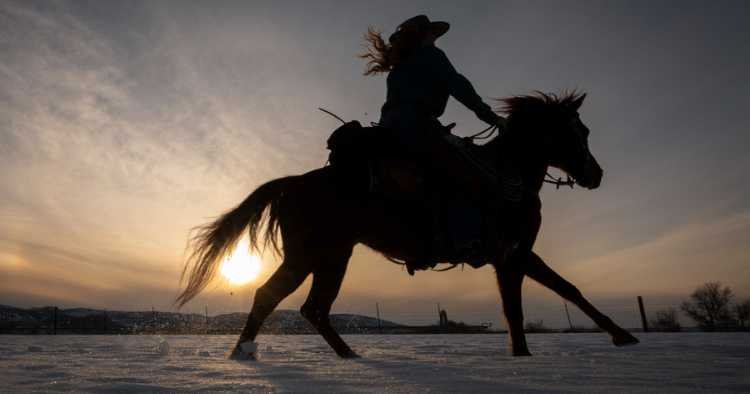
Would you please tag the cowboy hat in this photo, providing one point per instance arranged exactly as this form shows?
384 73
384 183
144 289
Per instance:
420 23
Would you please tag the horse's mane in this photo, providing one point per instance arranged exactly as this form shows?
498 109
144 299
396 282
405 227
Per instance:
538 102
537 105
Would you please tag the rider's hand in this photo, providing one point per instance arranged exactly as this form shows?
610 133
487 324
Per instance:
501 123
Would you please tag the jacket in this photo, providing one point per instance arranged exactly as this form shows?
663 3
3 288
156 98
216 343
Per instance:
418 91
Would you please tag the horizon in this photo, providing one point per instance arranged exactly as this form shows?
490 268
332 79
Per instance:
126 125
492 328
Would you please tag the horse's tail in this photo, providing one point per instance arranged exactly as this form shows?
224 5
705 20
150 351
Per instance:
213 241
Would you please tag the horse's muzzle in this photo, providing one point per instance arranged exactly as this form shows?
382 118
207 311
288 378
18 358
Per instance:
591 176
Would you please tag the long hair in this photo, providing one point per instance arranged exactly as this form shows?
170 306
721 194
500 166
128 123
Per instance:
382 56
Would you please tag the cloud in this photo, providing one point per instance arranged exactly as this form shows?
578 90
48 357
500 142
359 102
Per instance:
98 138
675 263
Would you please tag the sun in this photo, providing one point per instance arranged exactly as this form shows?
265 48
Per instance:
241 267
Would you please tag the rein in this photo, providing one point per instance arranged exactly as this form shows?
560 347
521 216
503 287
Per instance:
479 136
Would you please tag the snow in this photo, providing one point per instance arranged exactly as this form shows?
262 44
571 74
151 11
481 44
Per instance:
679 362
162 347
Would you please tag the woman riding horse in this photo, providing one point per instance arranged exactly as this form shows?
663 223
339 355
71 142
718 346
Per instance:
420 81
319 223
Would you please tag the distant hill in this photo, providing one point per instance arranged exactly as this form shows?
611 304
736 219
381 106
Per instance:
95 321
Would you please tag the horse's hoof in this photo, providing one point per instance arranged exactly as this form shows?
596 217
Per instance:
624 340
236 356
244 351
349 354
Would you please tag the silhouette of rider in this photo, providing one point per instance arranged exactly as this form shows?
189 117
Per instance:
420 81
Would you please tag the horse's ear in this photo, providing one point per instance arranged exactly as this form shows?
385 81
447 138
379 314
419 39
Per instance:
578 102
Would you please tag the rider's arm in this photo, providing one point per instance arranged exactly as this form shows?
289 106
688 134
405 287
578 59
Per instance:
460 88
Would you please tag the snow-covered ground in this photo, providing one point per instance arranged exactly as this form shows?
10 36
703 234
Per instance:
689 362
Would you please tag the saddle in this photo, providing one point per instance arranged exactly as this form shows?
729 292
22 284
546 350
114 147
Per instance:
372 164
368 159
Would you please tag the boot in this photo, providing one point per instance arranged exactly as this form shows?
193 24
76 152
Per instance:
421 264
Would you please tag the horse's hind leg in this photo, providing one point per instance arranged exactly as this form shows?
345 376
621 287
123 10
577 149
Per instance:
287 278
539 271
327 278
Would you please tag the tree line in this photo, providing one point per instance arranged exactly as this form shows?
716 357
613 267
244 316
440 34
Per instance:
711 306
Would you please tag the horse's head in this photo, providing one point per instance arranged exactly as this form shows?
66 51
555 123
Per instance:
554 121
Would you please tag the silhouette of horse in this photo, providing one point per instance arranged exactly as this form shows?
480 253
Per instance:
320 223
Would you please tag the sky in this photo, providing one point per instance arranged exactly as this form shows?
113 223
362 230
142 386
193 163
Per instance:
125 124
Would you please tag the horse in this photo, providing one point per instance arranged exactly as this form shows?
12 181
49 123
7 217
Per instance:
320 222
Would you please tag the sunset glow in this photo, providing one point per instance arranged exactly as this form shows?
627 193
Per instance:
241 267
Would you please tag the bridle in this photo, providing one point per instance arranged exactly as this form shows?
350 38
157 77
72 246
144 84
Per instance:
548 178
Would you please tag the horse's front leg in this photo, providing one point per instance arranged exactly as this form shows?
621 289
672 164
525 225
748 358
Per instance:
536 269
509 279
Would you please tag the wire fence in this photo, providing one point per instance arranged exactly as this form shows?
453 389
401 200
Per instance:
555 315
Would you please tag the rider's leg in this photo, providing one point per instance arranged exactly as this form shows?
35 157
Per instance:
499 196
446 169
448 166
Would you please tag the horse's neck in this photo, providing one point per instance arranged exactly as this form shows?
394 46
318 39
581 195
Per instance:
533 177
529 159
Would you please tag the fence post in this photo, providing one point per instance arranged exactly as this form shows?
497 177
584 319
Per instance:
206 320
570 323
377 312
643 314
